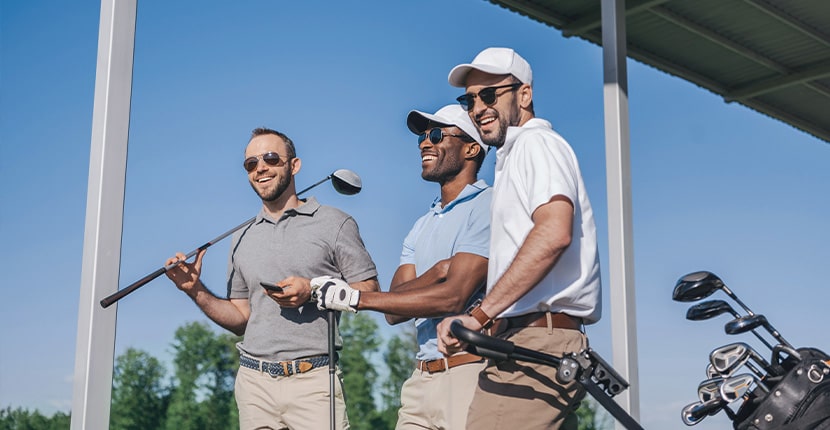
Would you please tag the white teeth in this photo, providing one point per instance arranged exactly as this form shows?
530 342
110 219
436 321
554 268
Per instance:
263 179
486 121
428 158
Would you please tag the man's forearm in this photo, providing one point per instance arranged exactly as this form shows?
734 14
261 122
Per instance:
221 311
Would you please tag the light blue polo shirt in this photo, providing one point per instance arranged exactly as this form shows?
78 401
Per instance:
462 226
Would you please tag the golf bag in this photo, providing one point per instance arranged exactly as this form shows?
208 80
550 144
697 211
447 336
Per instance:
799 401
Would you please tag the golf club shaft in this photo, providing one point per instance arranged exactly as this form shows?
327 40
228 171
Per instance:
120 294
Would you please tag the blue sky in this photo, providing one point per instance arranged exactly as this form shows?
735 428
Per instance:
716 186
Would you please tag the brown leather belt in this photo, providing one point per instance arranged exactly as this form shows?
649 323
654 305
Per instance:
441 364
536 319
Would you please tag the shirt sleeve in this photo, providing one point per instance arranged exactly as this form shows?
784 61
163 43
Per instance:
476 237
548 168
351 256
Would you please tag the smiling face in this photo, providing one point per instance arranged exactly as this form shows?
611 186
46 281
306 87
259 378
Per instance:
509 109
442 161
271 181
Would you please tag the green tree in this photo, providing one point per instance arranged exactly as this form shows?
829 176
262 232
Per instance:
138 395
202 394
400 360
360 342
592 416
23 419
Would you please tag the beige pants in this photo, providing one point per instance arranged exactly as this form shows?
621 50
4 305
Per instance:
296 402
518 394
438 401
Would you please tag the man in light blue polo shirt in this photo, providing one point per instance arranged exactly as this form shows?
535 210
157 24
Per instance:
443 269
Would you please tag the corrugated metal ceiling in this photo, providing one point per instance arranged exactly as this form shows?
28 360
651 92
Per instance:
771 56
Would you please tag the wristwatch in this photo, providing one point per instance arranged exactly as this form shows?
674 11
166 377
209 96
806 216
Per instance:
476 312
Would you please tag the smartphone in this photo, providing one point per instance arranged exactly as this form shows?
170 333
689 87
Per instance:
271 287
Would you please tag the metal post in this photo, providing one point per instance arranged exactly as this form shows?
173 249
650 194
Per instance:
620 230
95 344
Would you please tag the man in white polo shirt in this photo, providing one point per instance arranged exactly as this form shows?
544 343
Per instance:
543 273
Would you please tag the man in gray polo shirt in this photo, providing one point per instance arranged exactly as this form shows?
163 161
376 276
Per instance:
283 379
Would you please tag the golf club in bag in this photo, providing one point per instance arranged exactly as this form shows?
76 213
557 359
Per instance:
344 182
587 368
794 392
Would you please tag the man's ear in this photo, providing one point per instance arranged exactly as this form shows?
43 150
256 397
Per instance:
525 96
296 164
472 150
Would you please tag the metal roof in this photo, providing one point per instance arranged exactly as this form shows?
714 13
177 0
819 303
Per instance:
772 56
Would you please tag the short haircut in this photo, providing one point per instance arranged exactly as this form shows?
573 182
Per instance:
289 144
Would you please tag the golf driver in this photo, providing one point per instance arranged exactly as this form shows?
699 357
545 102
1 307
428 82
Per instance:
735 387
712 308
699 285
729 358
750 322
344 182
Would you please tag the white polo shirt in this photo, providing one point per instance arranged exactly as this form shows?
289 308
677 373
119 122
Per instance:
535 164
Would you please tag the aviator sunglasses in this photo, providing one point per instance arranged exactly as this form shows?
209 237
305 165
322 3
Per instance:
488 96
436 135
270 158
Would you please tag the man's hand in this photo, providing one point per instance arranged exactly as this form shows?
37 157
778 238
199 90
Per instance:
447 343
185 275
334 294
295 292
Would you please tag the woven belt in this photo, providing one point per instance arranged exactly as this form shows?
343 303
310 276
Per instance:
284 368
442 364
536 319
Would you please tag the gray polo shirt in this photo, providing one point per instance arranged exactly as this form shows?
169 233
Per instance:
309 241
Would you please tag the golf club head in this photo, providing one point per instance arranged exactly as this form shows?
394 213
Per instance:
745 323
695 412
709 309
696 286
727 358
735 387
711 372
709 389
346 182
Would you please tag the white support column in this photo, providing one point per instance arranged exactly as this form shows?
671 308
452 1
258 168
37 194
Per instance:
95 344
620 229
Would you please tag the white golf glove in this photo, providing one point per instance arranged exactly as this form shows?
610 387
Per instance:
334 294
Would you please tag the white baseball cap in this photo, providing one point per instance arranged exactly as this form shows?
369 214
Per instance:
495 61
450 115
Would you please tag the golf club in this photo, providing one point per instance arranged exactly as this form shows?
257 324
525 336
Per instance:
699 285
712 308
735 387
344 182
695 412
750 322
711 372
726 359
709 389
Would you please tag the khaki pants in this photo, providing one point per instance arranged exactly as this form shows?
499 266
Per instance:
440 400
296 402
524 395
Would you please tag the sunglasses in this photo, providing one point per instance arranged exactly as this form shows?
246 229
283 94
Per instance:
488 96
436 135
270 158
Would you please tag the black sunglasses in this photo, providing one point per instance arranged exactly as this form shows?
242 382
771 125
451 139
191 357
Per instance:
436 135
488 96
270 158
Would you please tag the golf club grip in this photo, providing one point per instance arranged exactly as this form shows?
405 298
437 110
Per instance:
118 295
483 343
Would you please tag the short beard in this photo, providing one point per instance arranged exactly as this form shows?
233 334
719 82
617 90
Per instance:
276 192
500 136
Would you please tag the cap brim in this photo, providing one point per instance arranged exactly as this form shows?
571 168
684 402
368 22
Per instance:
458 74
418 121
